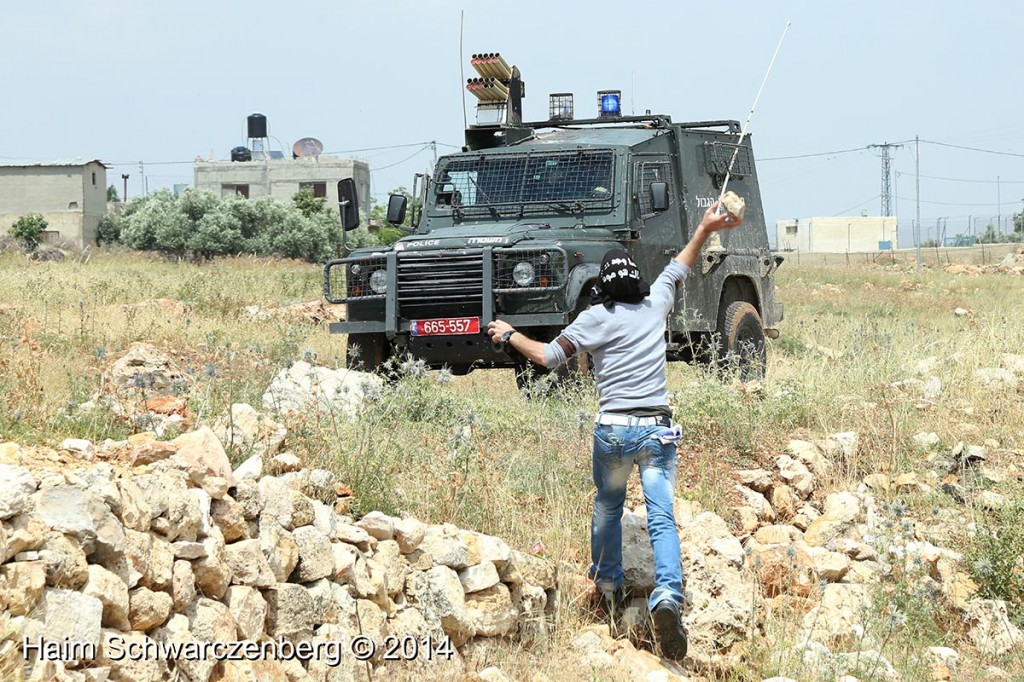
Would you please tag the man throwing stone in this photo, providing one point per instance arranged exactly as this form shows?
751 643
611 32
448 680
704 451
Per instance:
624 333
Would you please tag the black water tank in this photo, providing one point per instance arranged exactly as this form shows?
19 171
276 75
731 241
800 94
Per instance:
257 125
241 154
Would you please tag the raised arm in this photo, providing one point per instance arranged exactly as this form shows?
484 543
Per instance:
710 223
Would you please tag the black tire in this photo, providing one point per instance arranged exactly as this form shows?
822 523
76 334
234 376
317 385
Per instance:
741 344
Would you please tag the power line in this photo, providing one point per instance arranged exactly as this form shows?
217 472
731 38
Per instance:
807 156
974 149
988 182
859 205
398 163
945 203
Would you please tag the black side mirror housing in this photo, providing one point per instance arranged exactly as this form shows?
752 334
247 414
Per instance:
348 204
659 196
397 204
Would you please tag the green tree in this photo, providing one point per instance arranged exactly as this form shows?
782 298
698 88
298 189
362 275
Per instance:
387 233
28 229
1018 223
112 194
309 204
109 229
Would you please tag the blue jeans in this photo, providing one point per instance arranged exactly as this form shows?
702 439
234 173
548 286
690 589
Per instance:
616 448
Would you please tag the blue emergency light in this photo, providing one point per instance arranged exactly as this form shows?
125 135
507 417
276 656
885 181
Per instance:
609 103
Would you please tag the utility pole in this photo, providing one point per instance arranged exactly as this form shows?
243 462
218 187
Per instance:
999 203
917 178
124 176
886 175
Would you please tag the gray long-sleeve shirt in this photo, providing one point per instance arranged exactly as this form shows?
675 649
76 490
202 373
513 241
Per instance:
627 345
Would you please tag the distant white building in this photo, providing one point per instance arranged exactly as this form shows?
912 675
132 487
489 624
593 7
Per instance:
70 195
837 235
282 178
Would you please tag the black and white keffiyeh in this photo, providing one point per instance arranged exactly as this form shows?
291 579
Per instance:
619 281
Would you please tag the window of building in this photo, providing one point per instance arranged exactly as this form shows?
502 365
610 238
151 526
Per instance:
319 189
93 179
230 190
790 229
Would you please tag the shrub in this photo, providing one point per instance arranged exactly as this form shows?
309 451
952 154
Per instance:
109 229
995 555
28 229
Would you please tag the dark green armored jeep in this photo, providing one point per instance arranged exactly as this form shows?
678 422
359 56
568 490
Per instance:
515 226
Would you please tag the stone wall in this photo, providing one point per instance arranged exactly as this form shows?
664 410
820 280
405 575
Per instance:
176 549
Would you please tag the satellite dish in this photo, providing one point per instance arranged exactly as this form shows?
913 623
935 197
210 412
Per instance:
308 147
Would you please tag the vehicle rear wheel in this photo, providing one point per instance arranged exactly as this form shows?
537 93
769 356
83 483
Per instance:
741 344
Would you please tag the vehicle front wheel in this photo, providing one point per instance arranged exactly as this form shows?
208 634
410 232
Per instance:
741 344
367 352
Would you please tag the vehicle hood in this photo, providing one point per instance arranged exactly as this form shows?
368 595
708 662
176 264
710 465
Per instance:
479 235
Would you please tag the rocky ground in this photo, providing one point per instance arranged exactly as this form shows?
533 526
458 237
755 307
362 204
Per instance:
161 540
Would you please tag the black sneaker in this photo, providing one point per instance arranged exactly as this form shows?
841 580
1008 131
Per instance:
668 628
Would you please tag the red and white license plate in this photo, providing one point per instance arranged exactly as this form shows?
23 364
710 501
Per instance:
445 326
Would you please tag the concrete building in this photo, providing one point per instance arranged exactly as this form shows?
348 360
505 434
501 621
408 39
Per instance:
282 178
836 235
71 195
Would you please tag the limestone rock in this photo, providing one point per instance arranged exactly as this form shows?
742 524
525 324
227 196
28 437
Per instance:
245 431
446 548
249 610
783 501
17 485
200 454
26 582
990 628
112 593
777 535
251 469
248 564
302 387
409 533
796 474
183 585
283 463
74 510
637 555
161 565
229 516
480 577
124 668
316 559
148 609
490 611
66 614
378 525
280 548
135 510
211 621
759 480
26 532
145 367
757 502
438 595
393 565
65 562
784 570
212 572
290 611
810 455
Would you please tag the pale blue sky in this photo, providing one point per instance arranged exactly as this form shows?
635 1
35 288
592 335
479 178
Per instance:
128 80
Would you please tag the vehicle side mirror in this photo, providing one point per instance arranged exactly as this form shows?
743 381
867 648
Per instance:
396 208
659 196
348 204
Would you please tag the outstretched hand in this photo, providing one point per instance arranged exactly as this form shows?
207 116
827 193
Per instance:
713 221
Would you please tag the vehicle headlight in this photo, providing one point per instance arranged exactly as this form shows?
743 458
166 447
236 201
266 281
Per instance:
523 273
355 269
379 281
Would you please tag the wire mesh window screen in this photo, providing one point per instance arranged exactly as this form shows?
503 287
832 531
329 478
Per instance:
717 156
502 179
645 173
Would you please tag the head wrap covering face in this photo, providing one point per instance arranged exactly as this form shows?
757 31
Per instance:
619 281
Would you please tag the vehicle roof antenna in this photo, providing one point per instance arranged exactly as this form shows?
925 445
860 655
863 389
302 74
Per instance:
462 71
743 133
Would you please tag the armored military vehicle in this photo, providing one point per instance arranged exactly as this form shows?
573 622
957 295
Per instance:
516 224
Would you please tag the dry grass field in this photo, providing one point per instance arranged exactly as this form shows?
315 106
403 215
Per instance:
471 450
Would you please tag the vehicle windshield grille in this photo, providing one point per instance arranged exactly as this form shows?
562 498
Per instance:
496 180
